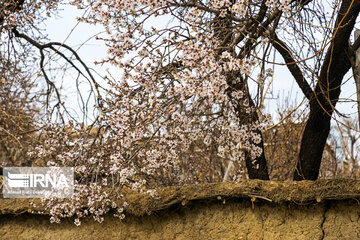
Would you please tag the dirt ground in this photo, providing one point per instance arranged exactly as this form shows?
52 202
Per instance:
327 209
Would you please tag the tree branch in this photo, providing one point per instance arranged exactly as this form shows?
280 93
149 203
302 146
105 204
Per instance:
51 45
294 69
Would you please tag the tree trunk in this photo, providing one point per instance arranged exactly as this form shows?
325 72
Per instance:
356 73
313 142
322 103
262 171
256 168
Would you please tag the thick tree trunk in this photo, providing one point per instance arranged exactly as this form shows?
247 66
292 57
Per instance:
262 171
256 168
322 103
313 142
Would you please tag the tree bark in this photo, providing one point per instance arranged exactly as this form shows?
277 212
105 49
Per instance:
256 168
356 73
322 103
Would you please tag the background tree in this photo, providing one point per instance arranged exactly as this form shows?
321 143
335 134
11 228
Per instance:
19 112
348 137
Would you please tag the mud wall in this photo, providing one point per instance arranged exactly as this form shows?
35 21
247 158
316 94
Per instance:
202 220
225 211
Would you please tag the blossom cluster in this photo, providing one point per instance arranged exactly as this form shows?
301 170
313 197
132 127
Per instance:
283 5
21 15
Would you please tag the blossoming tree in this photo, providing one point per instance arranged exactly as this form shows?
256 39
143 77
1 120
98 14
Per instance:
206 53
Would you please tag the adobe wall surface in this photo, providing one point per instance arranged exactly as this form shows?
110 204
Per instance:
222 216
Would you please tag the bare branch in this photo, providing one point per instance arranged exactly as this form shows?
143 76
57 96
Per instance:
294 69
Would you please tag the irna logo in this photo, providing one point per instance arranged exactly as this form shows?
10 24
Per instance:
38 182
